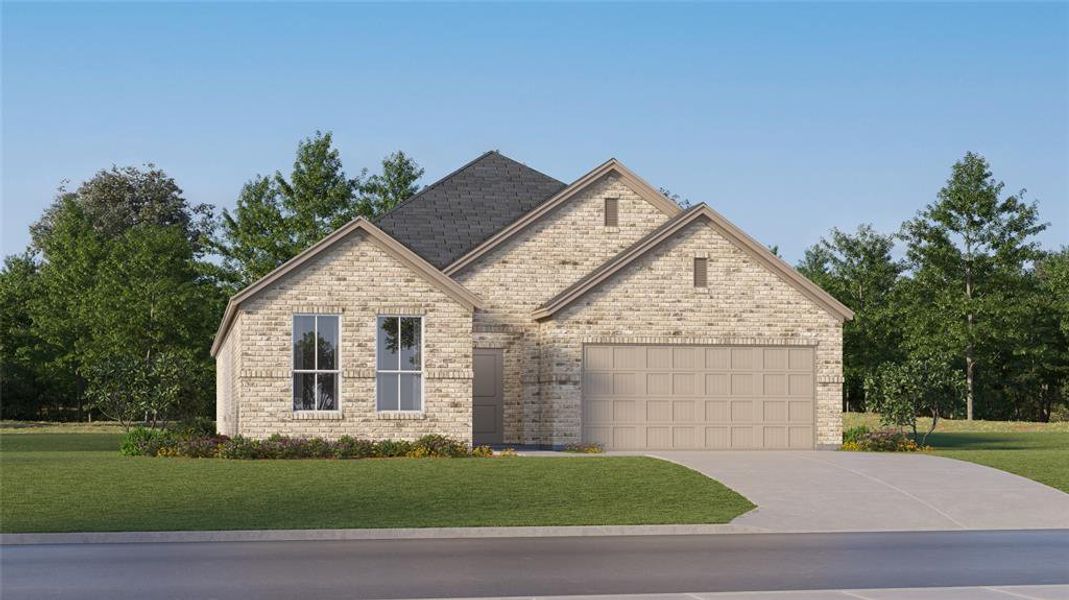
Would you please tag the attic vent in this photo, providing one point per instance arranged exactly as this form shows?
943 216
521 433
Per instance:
701 272
612 212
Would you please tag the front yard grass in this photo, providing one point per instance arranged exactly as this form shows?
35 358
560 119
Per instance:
1038 451
51 482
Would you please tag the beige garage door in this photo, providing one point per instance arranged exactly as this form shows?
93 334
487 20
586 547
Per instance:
680 397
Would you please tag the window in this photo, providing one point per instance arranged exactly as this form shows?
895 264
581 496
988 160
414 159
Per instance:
612 212
701 272
315 362
399 377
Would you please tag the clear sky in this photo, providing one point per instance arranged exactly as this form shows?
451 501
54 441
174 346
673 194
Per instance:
787 118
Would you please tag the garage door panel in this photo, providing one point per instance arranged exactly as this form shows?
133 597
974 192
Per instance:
801 411
665 397
597 384
800 437
775 359
624 411
718 384
775 384
682 438
659 358
627 358
742 437
741 411
774 437
800 359
683 384
718 359
742 384
800 384
718 438
659 384
683 411
658 438
658 411
717 411
774 411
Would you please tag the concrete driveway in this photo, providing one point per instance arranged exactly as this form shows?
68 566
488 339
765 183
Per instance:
858 491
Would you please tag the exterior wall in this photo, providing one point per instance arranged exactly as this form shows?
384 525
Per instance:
358 280
521 274
654 301
226 383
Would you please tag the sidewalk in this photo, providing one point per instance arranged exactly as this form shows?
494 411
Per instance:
1016 592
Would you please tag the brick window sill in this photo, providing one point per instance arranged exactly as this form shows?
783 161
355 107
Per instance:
318 415
400 416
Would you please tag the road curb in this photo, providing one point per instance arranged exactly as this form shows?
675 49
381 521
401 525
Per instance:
298 535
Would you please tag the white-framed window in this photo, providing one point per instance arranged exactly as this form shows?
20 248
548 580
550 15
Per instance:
316 360
399 364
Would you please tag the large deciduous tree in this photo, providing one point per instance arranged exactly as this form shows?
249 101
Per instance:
120 275
859 270
966 253
278 217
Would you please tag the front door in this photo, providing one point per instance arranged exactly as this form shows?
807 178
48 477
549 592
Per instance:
488 397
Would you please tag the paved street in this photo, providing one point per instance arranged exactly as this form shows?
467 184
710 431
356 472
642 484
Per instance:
872 491
533 566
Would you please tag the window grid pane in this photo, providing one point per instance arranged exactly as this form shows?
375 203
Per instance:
399 350
316 379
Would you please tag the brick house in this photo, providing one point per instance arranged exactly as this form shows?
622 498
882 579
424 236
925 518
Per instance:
501 306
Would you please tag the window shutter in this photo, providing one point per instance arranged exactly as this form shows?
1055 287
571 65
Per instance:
612 212
701 272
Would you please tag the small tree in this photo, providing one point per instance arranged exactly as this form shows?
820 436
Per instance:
916 387
130 390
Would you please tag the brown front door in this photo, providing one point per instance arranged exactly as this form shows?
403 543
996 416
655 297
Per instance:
488 397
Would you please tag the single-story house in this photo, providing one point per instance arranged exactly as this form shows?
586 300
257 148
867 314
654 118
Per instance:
501 306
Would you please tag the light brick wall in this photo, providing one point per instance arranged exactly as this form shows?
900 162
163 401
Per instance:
521 274
226 383
655 298
358 280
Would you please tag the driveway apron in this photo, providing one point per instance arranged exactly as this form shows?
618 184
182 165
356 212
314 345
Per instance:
857 491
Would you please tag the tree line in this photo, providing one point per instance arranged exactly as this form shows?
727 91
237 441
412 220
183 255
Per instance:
111 309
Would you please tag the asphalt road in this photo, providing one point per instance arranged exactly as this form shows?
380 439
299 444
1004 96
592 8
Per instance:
533 566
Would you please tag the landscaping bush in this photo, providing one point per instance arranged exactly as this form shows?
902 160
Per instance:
169 443
854 434
392 448
143 441
437 446
196 427
350 447
584 448
883 440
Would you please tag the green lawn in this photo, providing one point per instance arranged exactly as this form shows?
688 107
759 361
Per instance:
1038 451
1041 456
79 482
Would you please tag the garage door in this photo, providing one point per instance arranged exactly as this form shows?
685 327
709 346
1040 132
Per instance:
679 397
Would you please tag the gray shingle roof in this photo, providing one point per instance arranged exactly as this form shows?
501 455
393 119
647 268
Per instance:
450 217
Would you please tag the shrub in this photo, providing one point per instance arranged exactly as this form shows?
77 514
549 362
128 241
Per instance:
883 440
482 452
196 427
437 446
350 447
241 448
508 453
143 441
392 448
854 434
584 448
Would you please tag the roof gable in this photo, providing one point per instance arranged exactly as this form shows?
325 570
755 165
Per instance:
448 218
421 267
643 189
726 229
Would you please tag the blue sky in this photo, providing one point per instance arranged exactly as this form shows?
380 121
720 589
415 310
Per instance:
787 118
